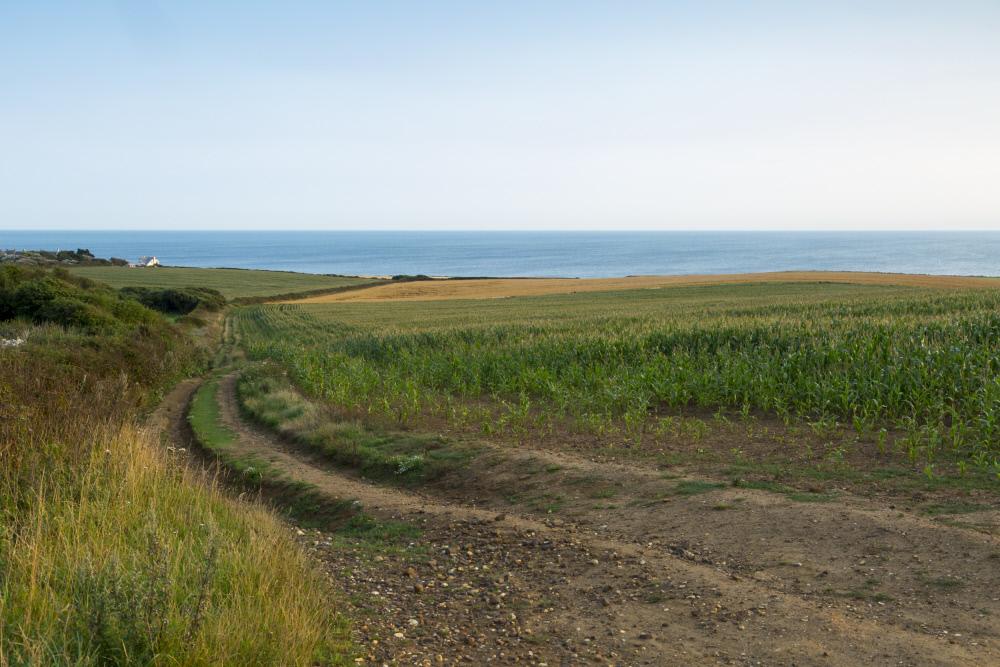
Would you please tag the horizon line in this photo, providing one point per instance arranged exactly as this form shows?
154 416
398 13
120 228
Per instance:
866 230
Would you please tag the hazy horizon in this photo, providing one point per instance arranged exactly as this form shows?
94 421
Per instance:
536 230
540 254
723 116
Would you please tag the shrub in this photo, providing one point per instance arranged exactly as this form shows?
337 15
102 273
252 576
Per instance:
58 297
176 301
70 312
8 282
407 278
31 296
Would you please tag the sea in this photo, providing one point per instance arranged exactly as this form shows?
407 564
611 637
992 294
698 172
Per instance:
541 254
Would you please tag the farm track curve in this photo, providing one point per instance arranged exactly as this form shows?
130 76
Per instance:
481 586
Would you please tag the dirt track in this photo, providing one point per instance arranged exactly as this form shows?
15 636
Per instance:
433 290
677 581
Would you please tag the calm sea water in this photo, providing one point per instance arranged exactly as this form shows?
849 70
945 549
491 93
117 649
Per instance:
584 254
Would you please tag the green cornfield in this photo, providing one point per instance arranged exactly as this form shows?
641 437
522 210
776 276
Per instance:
920 363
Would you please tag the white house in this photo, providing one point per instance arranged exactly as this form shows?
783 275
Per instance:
146 261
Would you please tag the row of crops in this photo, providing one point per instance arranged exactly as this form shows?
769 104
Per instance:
920 363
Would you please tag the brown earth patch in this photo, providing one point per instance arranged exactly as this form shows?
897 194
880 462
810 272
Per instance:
627 567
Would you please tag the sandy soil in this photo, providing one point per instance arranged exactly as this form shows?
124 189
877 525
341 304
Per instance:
728 576
433 290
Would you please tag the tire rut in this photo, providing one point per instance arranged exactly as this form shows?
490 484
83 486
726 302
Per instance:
527 591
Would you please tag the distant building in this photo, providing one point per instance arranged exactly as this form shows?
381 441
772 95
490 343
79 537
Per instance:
146 261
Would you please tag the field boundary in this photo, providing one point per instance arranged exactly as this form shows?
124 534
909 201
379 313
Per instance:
494 288
307 294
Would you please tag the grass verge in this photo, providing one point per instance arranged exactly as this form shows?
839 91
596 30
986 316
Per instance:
148 564
297 499
267 396
111 553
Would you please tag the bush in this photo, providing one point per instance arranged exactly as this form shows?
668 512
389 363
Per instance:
69 312
176 301
58 297
31 296
8 282
407 278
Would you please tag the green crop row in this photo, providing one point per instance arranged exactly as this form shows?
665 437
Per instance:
921 362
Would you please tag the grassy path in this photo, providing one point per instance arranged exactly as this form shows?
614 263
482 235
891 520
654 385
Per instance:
706 574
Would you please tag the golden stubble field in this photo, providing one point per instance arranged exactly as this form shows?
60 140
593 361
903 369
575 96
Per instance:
496 288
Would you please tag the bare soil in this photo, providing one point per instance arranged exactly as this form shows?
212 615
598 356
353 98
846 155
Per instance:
541 557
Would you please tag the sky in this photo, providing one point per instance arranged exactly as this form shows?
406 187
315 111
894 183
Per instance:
513 115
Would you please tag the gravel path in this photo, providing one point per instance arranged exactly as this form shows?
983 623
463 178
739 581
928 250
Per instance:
482 586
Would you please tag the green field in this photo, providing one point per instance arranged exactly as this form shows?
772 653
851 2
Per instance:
233 283
915 369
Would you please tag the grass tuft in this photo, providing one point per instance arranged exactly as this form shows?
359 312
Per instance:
146 559
268 397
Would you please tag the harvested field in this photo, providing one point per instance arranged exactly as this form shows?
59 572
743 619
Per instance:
494 288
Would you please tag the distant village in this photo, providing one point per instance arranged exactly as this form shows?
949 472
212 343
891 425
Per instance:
78 257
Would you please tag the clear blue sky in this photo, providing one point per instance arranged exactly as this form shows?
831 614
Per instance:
512 115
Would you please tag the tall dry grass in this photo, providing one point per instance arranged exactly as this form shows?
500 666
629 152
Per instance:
145 562
110 553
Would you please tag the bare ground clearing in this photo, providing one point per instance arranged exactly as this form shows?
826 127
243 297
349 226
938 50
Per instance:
636 569
493 288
